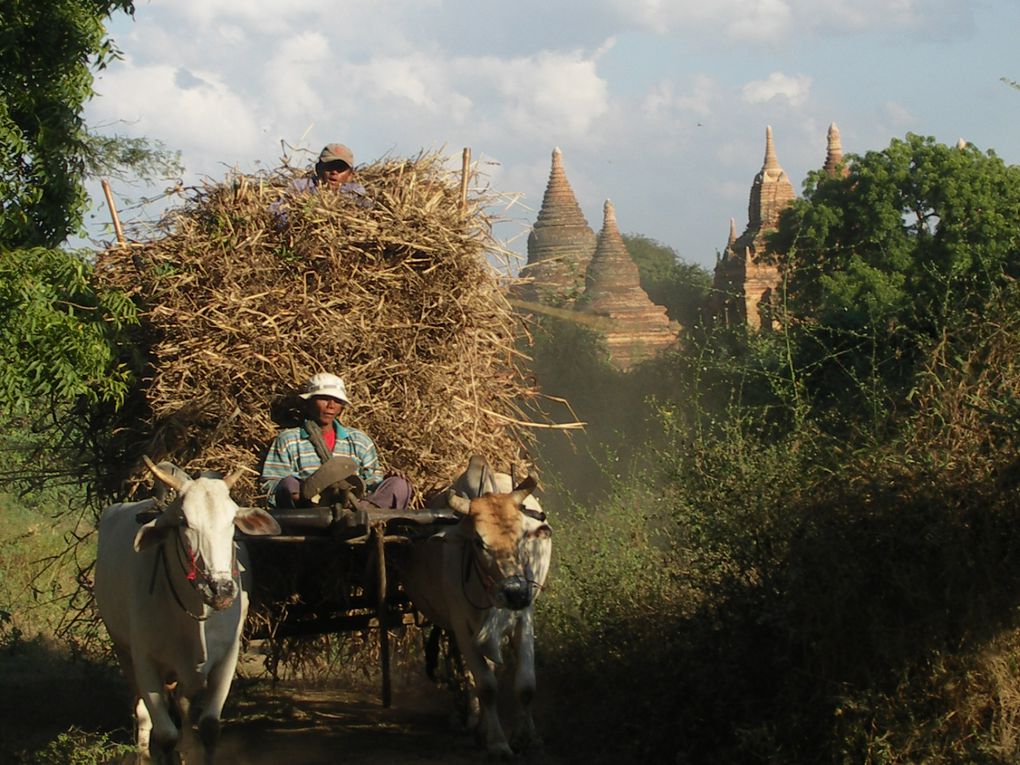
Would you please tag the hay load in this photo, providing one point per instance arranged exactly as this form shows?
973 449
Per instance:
251 289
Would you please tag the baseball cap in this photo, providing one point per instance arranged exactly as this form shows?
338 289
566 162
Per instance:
336 152
325 384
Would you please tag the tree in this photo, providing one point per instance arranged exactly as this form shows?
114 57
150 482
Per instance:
129 158
48 49
883 262
669 281
59 340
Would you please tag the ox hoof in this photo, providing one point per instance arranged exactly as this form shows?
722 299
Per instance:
209 731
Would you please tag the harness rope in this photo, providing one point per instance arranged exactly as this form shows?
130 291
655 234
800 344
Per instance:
193 570
469 557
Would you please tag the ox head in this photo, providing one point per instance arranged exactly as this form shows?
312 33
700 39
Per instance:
501 531
201 522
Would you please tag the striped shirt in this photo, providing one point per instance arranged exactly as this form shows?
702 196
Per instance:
292 453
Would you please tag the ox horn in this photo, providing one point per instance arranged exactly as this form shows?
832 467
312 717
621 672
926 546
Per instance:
231 479
173 481
523 489
460 505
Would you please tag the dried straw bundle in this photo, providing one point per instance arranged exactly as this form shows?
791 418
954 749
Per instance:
242 302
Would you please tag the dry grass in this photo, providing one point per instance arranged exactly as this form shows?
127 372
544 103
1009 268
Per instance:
398 297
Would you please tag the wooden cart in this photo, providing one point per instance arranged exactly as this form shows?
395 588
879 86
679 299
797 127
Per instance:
337 576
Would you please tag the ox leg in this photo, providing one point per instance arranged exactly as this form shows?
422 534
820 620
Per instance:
486 689
190 705
163 732
214 697
525 736
143 730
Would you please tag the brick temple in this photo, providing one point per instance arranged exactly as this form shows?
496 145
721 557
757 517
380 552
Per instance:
744 287
639 329
560 244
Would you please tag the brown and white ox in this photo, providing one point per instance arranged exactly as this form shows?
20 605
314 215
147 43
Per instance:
173 594
478 581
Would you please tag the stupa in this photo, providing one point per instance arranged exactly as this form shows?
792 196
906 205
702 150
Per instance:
638 328
560 244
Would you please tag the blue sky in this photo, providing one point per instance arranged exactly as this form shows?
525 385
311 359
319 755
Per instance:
659 105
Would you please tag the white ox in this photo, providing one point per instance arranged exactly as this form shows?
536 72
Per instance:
173 594
478 581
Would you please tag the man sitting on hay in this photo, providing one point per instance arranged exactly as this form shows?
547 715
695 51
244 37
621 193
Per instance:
320 460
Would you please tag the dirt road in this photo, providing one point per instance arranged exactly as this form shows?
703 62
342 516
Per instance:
338 722
300 725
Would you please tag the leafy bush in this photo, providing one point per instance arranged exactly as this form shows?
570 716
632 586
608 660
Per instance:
79 747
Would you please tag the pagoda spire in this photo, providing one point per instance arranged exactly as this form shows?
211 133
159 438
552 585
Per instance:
560 244
743 283
833 151
771 163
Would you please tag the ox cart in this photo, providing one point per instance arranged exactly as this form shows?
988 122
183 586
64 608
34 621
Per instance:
330 571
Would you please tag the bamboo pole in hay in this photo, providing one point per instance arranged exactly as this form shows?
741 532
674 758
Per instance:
113 213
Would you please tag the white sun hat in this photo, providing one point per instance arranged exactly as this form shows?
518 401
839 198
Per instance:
325 384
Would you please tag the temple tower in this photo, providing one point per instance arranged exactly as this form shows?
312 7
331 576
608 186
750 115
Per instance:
560 244
742 289
834 153
639 328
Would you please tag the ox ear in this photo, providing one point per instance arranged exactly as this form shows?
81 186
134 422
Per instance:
256 522
175 482
151 534
460 505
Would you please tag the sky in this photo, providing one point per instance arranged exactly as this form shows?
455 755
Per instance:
658 105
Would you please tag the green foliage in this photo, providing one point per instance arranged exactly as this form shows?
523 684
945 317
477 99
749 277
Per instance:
48 49
794 599
79 747
124 158
59 337
669 281
883 262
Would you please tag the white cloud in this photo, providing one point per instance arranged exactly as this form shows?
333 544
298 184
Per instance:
262 15
203 115
794 90
663 102
775 22
897 114
292 68
559 92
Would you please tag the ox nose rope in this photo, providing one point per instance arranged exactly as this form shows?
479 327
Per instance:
471 564
194 572
161 556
